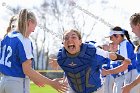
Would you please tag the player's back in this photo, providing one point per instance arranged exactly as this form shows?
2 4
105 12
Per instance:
11 49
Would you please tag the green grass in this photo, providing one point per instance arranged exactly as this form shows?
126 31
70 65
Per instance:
46 89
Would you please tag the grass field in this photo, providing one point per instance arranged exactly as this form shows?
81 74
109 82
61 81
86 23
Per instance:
46 89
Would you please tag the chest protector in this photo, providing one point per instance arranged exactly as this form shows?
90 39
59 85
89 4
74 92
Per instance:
82 70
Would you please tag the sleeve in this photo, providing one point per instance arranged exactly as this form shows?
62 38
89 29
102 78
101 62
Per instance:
138 63
101 56
126 50
24 50
102 53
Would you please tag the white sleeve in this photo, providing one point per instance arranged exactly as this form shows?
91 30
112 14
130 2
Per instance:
102 52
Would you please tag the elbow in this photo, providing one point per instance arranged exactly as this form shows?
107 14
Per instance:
127 61
27 67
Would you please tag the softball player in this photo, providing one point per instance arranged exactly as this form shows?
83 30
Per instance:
81 63
126 49
110 79
135 25
16 59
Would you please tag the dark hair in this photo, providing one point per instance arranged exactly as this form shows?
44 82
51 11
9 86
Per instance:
135 18
117 28
11 25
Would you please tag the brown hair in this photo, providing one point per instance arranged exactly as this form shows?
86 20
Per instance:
73 30
24 16
11 25
135 18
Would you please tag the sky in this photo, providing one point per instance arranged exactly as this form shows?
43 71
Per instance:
125 8
116 12
5 10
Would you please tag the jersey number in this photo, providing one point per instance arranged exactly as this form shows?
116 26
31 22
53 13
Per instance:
8 51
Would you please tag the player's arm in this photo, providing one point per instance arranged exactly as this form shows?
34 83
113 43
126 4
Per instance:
122 67
128 87
111 55
114 56
41 80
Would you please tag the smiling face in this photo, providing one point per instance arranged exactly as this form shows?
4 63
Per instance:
72 42
135 23
117 39
135 29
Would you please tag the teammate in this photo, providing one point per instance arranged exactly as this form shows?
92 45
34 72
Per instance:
16 59
109 79
126 49
135 25
81 63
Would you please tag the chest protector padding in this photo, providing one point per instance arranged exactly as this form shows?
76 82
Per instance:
82 71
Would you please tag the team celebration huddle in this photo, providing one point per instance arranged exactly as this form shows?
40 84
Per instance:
88 67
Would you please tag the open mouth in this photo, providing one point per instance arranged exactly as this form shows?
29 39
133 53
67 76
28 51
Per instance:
71 46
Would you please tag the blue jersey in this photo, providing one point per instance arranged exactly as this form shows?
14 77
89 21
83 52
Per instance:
15 49
112 64
83 70
138 60
126 49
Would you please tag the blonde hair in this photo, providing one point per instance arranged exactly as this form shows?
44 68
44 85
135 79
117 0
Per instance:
24 16
135 18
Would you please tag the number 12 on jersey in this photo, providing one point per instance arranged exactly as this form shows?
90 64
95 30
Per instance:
5 54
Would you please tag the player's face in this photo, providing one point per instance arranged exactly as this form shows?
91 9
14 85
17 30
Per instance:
116 38
135 29
31 27
72 42
113 47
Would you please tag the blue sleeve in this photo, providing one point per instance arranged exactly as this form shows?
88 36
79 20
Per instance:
107 64
101 56
131 54
138 63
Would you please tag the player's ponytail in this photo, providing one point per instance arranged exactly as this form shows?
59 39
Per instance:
22 22
24 16
128 37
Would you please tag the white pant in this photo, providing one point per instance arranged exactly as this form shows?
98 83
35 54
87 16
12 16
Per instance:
129 77
126 79
100 90
10 84
118 83
108 84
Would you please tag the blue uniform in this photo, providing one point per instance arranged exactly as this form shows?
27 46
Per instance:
126 49
138 61
83 70
15 49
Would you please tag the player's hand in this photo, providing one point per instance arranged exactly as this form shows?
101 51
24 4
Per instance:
59 85
126 89
53 63
104 72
